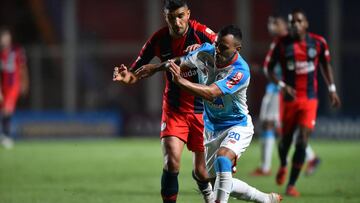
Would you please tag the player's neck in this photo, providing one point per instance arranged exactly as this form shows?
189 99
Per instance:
302 36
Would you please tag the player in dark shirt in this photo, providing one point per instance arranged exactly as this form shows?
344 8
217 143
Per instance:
300 55
182 121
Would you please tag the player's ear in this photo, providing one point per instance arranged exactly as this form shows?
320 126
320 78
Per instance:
306 24
238 48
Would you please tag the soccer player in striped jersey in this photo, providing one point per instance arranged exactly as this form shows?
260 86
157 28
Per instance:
300 54
270 109
223 80
14 81
181 112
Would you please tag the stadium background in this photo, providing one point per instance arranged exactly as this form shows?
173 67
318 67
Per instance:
72 47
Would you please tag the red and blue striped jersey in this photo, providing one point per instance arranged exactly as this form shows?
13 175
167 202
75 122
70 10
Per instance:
162 45
11 61
299 61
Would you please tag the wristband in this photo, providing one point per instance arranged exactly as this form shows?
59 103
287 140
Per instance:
332 88
281 84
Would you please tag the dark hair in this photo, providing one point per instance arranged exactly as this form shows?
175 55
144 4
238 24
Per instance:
174 4
231 29
299 10
277 16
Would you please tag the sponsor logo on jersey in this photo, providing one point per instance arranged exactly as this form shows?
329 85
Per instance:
188 74
234 80
304 67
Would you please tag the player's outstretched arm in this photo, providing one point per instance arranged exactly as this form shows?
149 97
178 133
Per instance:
150 69
123 75
206 92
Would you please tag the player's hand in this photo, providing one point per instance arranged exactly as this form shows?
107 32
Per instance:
122 75
175 71
334 99
289 91
146 71
192 48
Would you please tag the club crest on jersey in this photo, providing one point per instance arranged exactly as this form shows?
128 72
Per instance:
234 80
312 52
290 65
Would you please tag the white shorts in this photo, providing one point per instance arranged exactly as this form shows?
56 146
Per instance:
236 138
270 107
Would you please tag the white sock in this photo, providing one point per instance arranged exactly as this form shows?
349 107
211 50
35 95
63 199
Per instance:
267 149
268 140
310 154
222 187
243 191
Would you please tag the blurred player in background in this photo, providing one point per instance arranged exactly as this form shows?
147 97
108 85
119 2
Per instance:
270 109
224 77
181 112
299 54
14 81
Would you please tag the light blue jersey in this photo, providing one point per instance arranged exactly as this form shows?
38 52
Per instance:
231 108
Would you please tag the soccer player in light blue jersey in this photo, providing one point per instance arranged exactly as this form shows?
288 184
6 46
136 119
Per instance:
223 80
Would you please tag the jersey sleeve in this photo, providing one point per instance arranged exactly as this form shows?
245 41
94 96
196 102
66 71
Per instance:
190 60
272 56
233 81
147 53
206 34
324 53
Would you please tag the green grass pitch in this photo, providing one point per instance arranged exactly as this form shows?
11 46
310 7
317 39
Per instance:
128 170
